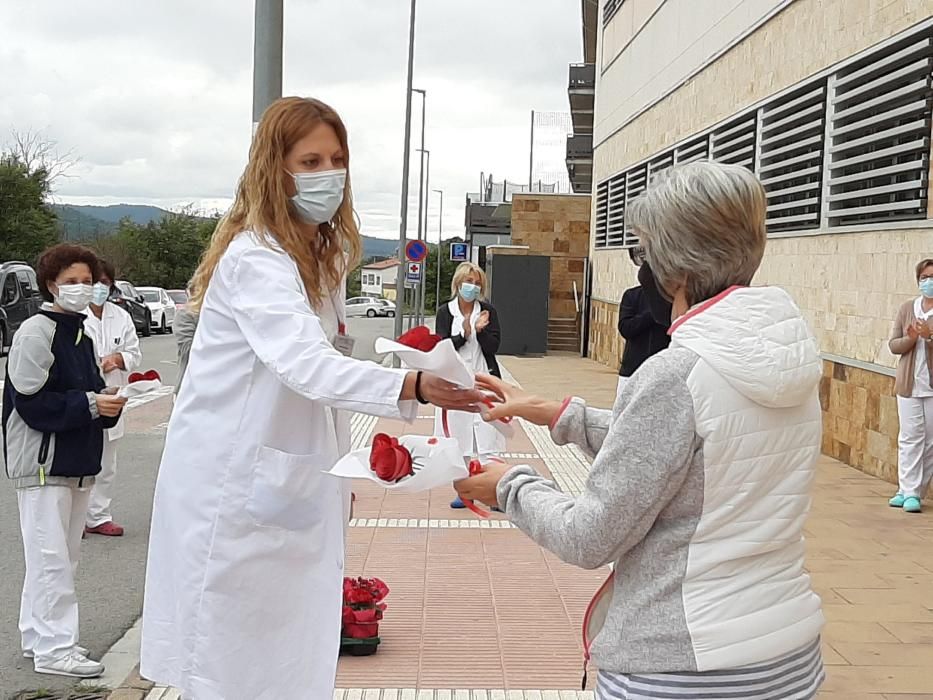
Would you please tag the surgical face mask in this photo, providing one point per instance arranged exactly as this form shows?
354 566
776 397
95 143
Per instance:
101 294
661 308
926 287
74 297
319 195
469 292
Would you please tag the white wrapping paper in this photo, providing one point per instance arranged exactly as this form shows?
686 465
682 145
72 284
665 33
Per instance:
436 465
139 388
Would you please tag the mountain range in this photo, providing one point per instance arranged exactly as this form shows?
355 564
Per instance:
83 222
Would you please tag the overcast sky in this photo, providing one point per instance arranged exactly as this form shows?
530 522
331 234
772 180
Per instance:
155 97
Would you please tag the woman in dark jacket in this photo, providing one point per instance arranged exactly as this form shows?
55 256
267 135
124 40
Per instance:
645 335
473 326
55 412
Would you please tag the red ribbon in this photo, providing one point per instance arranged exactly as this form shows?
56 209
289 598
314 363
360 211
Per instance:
475 468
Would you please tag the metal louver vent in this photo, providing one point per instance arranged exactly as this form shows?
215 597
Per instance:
610 8
698 149
616 210
636 182
790 158
734 143
880 136
659 164
600 233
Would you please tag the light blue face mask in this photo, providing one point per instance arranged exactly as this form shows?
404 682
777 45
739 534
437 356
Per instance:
926 287
469 292
319 195
101 294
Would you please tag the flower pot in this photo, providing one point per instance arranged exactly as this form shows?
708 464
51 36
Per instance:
361 630
359 647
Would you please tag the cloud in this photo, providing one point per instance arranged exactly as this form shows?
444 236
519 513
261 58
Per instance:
156 98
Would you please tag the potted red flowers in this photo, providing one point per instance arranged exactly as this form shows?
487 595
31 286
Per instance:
362 610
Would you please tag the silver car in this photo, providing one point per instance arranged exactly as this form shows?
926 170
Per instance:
370 307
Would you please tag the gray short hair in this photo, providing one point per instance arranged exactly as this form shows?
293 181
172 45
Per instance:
702 225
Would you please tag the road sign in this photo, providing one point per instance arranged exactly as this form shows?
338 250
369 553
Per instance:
416 251
414 272
459 252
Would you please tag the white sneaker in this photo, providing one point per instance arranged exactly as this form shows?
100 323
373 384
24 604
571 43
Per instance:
74 665
30 654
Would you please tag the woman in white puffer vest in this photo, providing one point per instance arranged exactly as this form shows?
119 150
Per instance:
700 486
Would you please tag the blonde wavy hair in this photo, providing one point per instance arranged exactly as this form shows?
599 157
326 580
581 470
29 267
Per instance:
263 206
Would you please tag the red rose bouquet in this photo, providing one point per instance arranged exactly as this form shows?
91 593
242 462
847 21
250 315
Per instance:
389 459
363 607
420 338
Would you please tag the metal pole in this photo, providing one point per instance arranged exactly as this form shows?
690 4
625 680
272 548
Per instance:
531 153
419 290
427 186
440 237
403 225
267 56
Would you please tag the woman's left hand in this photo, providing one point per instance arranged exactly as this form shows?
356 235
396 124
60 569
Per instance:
482 321
482 487
112 362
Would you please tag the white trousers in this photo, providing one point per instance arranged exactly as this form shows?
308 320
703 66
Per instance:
98 511
52 522
915 445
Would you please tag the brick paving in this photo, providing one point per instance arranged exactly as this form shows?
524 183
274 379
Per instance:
478 612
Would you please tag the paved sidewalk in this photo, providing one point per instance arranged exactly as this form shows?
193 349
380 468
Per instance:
478 610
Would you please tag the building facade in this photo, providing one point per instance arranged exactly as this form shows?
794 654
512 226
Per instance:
378 279
829 103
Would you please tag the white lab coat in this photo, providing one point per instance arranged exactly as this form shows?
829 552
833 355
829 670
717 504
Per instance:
476 437
244 582
114 332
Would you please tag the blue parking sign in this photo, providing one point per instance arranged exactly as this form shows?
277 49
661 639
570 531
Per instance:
459 252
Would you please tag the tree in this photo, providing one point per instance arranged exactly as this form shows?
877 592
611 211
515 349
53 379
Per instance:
27 225
161 253
38 153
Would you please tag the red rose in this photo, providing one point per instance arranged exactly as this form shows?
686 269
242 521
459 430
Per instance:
360 596
149 376
420 338
390 460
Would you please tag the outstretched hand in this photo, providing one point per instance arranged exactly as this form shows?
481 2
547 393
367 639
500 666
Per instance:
482 487
513 402
444 394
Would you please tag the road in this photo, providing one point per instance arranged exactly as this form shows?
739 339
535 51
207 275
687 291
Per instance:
111 573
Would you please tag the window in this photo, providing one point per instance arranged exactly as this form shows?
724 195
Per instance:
879 157
23 280
9 293
151 296
610 8
848 147
790 159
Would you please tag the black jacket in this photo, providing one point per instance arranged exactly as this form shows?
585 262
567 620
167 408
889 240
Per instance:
488 337
643 336
51 429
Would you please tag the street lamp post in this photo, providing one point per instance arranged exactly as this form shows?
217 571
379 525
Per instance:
403 224
427 184
422 216
267 56
440 237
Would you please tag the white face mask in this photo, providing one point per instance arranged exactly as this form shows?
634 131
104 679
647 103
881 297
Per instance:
319 194
74 297
101 294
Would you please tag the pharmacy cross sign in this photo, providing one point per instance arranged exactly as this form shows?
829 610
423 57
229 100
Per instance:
414 272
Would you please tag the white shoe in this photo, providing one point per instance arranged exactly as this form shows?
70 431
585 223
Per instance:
30 654
73 665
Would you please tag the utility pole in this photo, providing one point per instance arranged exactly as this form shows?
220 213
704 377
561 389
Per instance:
427 186
422 215
267 56
531 153
403 225
440 237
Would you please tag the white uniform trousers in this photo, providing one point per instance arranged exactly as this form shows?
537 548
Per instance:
915 445
98 511
52 523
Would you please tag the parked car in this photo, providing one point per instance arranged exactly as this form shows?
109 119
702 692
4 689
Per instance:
179 296
130 300
370 307
19 299
162 308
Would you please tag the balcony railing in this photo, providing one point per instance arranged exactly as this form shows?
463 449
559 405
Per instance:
582 76
580 147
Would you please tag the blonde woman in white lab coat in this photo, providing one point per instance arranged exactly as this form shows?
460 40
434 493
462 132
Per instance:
117 346
244 580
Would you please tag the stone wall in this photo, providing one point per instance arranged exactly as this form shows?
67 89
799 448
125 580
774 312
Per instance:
556 226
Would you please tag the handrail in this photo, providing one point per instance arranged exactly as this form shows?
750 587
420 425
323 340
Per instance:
576 298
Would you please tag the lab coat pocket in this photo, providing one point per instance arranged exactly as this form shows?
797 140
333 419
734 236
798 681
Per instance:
286 490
